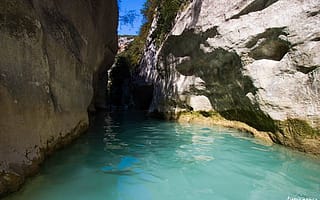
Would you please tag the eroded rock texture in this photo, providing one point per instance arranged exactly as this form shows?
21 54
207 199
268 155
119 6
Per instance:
256 61
53 59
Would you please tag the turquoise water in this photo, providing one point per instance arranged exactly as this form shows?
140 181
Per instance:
129 157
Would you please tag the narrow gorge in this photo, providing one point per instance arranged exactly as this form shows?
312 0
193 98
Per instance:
210 93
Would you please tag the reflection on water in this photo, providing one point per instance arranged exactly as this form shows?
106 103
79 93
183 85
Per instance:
126 156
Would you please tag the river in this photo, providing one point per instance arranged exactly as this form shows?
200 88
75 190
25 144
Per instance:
127 156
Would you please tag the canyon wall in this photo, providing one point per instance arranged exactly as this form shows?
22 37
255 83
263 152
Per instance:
53 61
254 61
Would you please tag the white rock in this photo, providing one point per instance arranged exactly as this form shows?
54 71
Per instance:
287 85
200 103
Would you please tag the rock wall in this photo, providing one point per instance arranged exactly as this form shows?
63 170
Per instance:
255 61
53 59
124 42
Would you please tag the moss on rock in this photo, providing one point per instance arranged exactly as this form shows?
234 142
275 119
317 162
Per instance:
213 118
255 119
299 135
298 127
296 134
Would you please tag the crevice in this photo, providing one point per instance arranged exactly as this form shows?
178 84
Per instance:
314 13
196 12
268 33
54 100
272 49
316 39
100 79
51 70
255 6
269 44
306 70
119 91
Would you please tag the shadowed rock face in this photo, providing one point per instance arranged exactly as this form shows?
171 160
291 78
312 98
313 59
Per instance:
254 6
226 87
53 59
256 61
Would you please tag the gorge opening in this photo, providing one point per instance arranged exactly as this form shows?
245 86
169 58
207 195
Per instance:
200 102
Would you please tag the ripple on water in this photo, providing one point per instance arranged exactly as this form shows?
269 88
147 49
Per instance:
128 157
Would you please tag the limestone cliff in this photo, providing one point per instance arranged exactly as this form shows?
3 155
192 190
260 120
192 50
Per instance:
255 61
53 59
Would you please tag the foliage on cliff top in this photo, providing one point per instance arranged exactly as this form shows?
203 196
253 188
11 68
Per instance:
166 11
134 51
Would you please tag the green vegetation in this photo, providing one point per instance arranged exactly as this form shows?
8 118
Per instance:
132 55
166 11
298 127
253 118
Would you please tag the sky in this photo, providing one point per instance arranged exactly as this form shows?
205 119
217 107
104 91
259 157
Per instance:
128 10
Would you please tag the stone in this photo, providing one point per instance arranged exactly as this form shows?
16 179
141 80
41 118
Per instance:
199 103
258 62
124 42
53 59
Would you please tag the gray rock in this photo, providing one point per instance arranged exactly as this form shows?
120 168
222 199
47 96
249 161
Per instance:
124 42
53 59
258 62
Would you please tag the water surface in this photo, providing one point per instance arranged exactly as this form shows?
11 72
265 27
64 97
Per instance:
126 156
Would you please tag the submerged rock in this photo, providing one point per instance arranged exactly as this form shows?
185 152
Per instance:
256 61
53 59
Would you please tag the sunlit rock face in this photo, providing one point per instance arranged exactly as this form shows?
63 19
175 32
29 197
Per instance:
124 42
257 61
53 60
